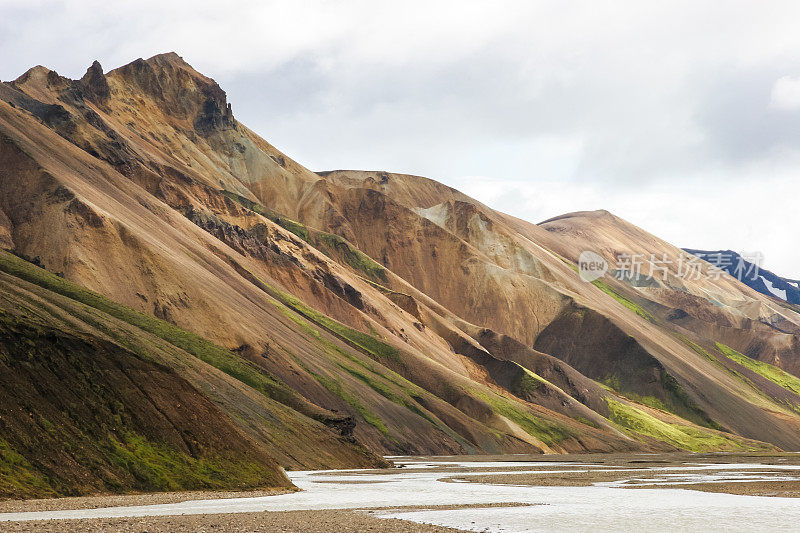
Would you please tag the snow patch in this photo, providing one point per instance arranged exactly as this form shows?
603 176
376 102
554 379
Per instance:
780 293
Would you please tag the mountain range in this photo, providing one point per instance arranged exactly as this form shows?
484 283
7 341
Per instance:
749 272
183 306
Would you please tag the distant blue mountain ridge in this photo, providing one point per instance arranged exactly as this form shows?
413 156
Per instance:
751 274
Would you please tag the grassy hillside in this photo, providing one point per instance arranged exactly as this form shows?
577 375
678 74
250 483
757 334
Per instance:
81 414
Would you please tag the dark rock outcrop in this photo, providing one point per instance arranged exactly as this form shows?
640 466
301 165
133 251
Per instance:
94 84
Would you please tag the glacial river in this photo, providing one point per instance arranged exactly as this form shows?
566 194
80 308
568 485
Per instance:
428 484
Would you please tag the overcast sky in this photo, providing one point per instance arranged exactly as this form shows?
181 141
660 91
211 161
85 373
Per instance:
682 117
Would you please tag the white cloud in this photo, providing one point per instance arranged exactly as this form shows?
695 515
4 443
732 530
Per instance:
786 93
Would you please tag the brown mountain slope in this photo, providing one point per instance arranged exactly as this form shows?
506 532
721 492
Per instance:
627 341
193 256
769 330
432 322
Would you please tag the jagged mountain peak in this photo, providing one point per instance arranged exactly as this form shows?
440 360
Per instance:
95 84
176 87
95 69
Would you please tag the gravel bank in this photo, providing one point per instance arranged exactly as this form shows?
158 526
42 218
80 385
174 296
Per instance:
271 522
127 500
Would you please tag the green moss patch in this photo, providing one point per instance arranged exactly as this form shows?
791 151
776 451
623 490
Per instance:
585 421
400 398
157 467
697 348
684 437
18 479
544 430
339 390
352 256
295 227
771 372
378 349
676 400
636 308
528 383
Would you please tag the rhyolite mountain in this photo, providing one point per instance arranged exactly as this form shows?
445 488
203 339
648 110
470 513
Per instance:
181 301
751 274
